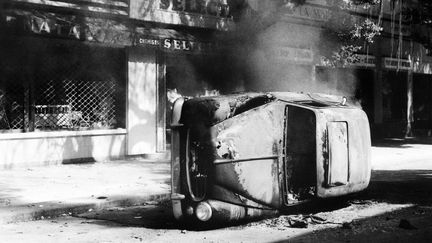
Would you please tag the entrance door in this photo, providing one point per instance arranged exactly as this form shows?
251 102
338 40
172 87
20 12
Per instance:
177 77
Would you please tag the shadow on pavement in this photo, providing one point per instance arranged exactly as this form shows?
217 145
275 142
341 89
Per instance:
410 188
157 216
385 227
412 223
403 186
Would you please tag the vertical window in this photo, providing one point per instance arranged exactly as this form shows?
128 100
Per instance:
64 87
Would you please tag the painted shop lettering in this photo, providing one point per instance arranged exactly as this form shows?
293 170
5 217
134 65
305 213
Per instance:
182 45
149 42
211 7
176 44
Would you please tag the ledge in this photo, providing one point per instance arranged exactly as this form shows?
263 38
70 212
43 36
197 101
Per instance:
59 134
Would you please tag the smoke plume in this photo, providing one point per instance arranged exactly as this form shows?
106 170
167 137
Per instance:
276 54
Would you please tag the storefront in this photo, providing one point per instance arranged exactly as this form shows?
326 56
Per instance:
80 89
170 64
62 99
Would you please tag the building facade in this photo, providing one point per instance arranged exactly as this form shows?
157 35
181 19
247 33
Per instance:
89 80
94 80
391 80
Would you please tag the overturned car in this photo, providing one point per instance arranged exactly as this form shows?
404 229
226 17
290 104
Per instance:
257 154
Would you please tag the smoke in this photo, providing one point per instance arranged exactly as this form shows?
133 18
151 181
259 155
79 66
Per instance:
276 54
266 52
195 76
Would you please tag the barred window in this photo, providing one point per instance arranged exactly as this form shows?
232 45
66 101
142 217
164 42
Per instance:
75 104
63 86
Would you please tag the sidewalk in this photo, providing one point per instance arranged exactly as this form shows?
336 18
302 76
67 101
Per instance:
46 192
402 154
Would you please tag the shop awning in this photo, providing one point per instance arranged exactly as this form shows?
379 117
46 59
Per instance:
106 31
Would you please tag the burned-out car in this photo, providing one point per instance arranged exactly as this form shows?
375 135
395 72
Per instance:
256 154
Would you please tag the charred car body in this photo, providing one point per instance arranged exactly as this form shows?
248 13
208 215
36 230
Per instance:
249 155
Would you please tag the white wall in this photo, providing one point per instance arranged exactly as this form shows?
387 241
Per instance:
142 94
48 148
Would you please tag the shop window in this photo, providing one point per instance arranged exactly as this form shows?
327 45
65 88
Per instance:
63 87
75 104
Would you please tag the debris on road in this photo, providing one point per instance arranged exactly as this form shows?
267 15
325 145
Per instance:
405 224
298 222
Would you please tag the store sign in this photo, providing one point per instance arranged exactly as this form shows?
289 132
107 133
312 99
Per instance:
310 12
151 42
218 8
177 44
365 61
395 63
293 54
67 27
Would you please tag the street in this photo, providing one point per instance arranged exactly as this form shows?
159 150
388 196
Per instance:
396 207
293 120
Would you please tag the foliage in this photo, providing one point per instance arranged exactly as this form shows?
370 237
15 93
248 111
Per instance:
366 31
349 32
343 57
349 4
344 34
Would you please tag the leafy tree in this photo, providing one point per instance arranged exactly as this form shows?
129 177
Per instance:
348 34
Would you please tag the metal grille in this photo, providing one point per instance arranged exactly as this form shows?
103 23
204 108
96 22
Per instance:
76 105
92 103
54 85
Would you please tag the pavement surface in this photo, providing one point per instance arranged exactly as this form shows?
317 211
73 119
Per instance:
47 192
402 154
125 201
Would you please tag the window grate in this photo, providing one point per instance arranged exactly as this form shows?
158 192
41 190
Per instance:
61 86
76 104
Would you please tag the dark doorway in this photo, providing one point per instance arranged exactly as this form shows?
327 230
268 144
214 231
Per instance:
422 101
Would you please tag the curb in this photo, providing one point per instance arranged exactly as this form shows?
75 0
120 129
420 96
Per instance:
50 210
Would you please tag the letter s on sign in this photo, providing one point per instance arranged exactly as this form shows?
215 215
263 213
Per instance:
167 43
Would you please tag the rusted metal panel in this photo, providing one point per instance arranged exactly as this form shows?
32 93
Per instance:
226 195
338 153
253 172
177 145
359 157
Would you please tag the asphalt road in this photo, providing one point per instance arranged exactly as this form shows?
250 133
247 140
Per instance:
397 207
